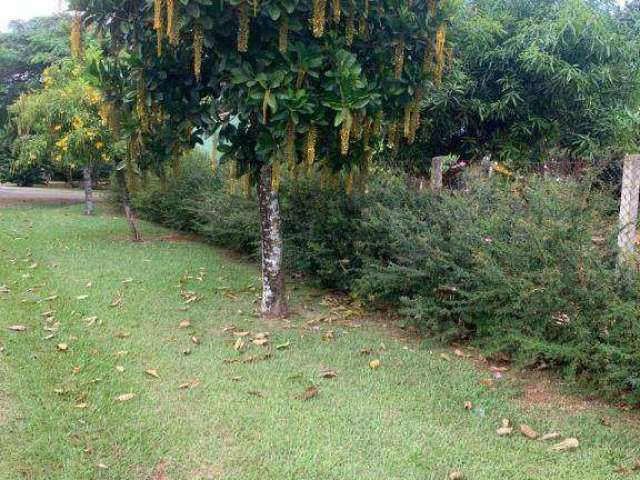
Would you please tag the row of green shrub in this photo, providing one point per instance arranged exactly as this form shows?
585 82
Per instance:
526 269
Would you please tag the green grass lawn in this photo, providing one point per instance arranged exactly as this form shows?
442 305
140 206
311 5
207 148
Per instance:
240 419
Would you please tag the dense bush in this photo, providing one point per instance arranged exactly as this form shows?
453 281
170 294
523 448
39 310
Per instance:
525 269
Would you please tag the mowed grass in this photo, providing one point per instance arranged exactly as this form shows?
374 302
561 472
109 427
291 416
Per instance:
59 417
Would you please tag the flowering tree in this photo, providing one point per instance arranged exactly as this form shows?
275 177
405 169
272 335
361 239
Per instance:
62 122
307 85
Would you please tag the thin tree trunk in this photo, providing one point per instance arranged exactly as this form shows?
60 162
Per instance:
126 206
274 300
87 183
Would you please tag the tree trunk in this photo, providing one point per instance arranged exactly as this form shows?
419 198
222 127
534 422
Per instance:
628 209
274 300
87 183
126 206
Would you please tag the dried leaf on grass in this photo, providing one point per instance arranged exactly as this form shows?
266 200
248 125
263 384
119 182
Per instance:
310 393
528 432
125 397
568 444
17 328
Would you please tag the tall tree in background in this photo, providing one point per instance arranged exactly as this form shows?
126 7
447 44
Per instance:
309 85
63 121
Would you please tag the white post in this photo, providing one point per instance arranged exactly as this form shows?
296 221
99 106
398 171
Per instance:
436 174
628 208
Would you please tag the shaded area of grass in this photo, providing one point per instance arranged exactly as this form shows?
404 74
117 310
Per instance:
59 418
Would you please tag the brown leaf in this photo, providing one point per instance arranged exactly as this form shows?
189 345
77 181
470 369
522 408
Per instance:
125 397
184 324
310 393
260 335
487 382
328 335
260 341
459 353
328 373
456 475
374 364
365 351
550 436
528 432
568 444
192 384
62 347
152 372
123 334
17 328
241 334
195 340
239 345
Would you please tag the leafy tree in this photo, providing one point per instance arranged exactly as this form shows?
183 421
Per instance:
293 84
536 80
25 51
63 121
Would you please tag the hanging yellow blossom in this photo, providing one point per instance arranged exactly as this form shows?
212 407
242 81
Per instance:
290 146
312 137
283 33
398 58
198 44
243 27
172 22
441 34
318 17
336 10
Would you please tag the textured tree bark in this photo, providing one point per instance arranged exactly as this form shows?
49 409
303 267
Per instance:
436 174
274 300
87 183
628 209
126 206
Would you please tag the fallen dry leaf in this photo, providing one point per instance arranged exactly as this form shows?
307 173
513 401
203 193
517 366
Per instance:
374 364
152 372
123 335
310 393
328 335
445 356
62 347
192 384
528 432
195 340
102 466
125 397
487 382
184 324
456 475
459 353
120 368
241 334
505 429
81 405
550 436
468 405
17 328
260 341
328 373
239 345
568 444
82 297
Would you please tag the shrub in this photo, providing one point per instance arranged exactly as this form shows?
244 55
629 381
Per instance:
525 269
